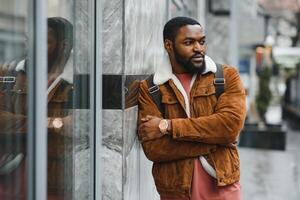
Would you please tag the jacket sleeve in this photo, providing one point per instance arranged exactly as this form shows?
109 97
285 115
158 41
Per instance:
222 127
165 148
11 123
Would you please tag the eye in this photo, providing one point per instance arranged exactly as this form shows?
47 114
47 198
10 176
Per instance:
187 42
202 42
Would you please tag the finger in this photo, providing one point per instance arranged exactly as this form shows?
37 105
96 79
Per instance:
144 119
149 117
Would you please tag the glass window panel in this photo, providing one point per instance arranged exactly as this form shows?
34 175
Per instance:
70 58
13 99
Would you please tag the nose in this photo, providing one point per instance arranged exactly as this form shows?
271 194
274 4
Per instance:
198 47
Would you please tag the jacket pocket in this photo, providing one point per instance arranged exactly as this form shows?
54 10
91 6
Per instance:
170 175
204 101
205 91
169 99
226 161
172 106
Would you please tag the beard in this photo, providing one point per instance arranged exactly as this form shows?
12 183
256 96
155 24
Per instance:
187 64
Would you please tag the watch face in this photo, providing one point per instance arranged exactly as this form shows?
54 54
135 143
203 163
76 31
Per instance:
57 123
163 125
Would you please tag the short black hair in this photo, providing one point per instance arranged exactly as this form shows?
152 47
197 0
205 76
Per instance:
63 29
173 25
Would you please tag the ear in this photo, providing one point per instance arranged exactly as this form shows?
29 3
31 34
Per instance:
168 45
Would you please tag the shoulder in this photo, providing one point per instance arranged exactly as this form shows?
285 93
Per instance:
144 85
232 78
228 69
230 72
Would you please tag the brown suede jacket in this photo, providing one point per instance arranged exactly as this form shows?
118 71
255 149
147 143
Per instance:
214 124
13 124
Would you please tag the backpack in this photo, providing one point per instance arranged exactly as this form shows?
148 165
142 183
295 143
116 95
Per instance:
155 93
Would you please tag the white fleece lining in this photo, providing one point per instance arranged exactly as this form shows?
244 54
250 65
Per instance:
185 96
206 166
164 74
66 75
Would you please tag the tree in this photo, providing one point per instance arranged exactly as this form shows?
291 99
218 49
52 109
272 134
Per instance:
264 94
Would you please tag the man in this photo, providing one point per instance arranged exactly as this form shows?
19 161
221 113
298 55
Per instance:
192 145
13 119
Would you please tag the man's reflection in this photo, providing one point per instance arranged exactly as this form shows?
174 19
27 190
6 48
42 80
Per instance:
13 119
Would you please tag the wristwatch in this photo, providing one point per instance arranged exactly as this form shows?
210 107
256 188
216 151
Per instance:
57 122
163 126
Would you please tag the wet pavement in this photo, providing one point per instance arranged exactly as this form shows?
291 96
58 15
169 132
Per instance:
272 174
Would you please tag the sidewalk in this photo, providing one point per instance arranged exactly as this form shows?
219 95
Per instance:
271 174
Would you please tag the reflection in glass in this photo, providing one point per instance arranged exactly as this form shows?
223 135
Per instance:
68 115
69 62
13 91
60 85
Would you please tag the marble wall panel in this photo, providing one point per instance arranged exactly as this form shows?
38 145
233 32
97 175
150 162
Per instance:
82 178
112 145
81 157
83 24
144 21
112 129
147 187
131 176
130 155
112 174
138 182
129 129
112 36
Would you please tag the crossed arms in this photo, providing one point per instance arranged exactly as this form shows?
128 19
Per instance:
192 137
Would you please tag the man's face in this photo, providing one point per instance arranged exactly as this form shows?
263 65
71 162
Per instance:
189 48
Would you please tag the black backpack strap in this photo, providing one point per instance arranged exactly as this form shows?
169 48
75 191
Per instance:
219 81
155 94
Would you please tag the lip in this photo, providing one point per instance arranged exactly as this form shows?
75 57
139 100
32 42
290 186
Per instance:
197 59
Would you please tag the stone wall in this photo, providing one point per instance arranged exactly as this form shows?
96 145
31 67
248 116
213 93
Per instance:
112 137
144 22
132 49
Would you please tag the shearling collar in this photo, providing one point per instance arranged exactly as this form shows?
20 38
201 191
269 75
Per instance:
66 75
164 73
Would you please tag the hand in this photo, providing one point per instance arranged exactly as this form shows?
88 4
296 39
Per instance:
149 130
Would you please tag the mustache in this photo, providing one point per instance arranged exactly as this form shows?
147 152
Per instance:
197 55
